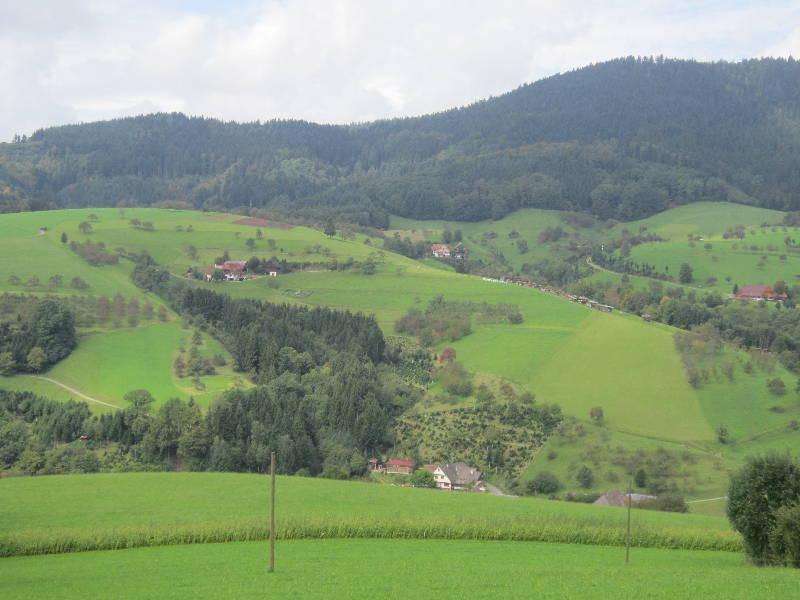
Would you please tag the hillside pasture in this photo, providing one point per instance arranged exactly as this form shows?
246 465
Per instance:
84 512
108 363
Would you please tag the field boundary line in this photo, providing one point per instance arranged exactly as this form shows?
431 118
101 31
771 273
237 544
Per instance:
707 500
74 391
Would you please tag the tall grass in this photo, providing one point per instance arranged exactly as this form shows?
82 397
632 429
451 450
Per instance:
571 531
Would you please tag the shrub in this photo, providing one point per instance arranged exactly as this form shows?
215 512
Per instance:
776 386
666 503
596 413
585 477
455 379
544 483
586 498
422 478
640 478
784 539
763 486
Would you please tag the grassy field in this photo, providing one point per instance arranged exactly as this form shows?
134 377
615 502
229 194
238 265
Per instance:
756 259
393 569
110 363
74 512
485 240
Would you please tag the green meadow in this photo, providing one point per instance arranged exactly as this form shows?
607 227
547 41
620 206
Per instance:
762 257
392 569
485 239
118 510
108 363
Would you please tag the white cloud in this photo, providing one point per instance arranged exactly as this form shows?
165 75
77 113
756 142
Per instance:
338 61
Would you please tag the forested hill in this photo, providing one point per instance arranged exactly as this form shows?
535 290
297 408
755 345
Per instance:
621 139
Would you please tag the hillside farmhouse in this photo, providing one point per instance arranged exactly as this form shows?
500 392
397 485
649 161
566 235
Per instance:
617 498
458 476
759 293
272 268
400 466
440 251
232 270
459 252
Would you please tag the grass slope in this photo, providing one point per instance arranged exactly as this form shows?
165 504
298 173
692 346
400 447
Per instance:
392 569
69 512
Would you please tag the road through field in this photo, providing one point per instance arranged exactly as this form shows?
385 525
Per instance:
76 392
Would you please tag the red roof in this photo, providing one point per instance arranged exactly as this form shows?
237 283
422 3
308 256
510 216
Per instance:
758 291
401 462
440 248
233 265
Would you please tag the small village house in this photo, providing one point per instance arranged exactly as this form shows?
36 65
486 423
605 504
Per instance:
459 252
759 293
272 268
440 251
458 476
400 466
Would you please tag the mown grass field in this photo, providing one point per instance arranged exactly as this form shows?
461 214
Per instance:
84 512
393 569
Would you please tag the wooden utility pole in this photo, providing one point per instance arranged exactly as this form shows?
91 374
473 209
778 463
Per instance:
628 534
272 515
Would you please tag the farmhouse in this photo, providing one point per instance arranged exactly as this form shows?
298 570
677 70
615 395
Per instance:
459 251
376 466
458 476
272 268
759 293
232 270
617 498
440 251
400 466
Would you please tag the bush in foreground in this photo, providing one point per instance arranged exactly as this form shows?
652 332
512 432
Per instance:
761 491
784 539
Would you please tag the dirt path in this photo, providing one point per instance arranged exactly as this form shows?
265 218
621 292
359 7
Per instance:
598 267
706 500
76 392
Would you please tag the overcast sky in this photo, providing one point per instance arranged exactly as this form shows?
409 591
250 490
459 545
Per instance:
339 60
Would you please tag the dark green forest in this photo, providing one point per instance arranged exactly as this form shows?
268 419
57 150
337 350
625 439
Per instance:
621 139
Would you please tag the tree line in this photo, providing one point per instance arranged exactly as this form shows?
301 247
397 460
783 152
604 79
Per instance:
38 341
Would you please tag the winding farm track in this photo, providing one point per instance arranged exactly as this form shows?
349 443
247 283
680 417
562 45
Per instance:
76 392
706 500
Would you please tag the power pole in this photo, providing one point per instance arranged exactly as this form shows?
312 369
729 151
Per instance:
272 515
628 534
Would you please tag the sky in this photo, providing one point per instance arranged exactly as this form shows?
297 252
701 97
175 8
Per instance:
339 61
